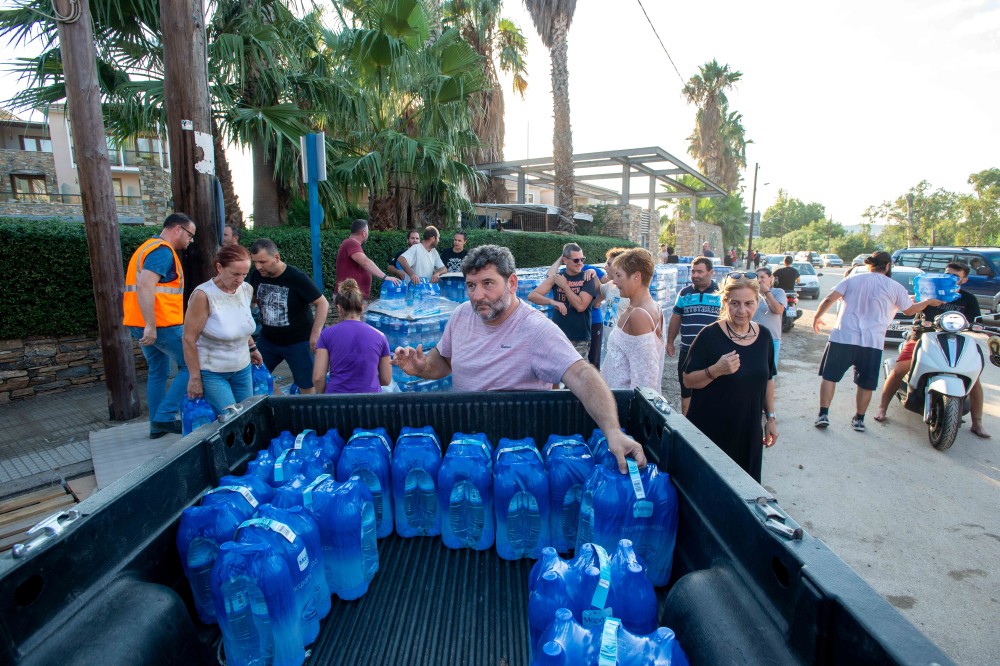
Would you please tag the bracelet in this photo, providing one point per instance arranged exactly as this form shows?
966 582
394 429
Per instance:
708 374
253 348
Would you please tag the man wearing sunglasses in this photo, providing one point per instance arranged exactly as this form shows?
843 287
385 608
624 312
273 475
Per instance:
153 311
572 293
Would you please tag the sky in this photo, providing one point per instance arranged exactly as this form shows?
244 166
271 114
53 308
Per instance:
847 103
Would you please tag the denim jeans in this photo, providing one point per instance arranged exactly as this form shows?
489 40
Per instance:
777 348
225 388
299 357
164 405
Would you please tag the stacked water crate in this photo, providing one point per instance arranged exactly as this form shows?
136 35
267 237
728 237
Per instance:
663 288
453 287
528 280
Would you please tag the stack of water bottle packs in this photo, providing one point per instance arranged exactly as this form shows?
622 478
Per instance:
453 287
196 413
528 279
942 286
663 287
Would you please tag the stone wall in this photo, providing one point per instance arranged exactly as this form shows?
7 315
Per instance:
73 212
157 199
38 365
691 236
24 160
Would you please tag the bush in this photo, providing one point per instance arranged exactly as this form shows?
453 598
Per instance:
45 265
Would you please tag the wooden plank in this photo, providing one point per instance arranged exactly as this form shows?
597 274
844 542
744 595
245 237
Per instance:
18 527
8 542
40 509
28 499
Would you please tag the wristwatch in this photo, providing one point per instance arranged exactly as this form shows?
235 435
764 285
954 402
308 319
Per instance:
770 415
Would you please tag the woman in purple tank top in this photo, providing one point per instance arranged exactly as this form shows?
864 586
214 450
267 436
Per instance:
355 354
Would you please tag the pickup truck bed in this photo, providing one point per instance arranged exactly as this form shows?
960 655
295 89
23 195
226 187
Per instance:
110 589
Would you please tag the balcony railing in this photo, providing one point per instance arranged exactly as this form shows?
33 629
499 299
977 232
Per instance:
71 199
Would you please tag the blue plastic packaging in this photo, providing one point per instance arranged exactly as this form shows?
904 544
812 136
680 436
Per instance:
465 493
942 286
243 493
331 444
201 531
263 382
598 444
580 646
253 599
568 461
368 455
346 515
284 441
308 463
194 414
656 648
632 597
262 466
416 460
521 494
640 506
293 534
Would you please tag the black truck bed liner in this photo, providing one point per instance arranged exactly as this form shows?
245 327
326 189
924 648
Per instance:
110 589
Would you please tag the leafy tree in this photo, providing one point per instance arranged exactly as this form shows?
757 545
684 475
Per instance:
982 209
552 19
500 42
936 217
718 135
789 214
729 213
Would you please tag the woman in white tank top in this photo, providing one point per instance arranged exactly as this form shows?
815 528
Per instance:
635 346
218 347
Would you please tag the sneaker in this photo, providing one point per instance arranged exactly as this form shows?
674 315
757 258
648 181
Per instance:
822 421
158 429
858 424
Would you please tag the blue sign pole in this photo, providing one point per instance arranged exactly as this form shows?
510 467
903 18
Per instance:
313 142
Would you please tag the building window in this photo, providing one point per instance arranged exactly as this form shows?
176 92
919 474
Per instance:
29 188
529 197
36 144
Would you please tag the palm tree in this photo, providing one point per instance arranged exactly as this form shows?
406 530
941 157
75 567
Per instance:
552 19
499 41
707 90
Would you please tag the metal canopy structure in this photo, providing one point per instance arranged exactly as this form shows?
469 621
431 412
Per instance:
654 164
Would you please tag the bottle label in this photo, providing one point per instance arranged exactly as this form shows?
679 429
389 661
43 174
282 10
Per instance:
367 434
520 447
303 560
307 494
242 490
237 602
409 435
642 509
258 605
279 464
301 438
633 472
604 583
273 525
609 643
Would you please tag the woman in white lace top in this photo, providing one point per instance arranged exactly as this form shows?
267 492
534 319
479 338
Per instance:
635 347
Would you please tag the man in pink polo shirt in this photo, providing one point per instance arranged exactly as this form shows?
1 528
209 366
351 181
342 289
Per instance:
495 342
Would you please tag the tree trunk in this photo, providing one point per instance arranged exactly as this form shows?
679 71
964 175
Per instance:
562 134
266 195
99 213
382 212
488 124
234 214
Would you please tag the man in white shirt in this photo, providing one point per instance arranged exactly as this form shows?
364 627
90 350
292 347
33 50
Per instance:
422 260
870 303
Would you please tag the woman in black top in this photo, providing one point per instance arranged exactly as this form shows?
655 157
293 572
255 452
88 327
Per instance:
730 367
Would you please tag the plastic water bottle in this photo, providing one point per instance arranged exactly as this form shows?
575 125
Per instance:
194 414
942 286
632 595
302 522
263 382
331 444
369 541
201 531
568 461
262 466
243 494
640 506
598 444
521 493
284 441
550 594
579 645
415 464
657 648
367 455
296 461
465 493
551 654
255 603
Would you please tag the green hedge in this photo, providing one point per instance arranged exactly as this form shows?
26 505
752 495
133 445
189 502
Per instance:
45 266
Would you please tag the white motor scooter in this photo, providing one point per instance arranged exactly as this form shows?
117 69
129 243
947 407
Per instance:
946 364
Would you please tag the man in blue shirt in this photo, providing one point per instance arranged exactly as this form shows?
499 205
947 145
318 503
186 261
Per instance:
697 306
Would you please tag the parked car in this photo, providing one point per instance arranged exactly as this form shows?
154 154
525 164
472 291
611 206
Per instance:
831 261
808 283
900 326
983 263
809 257
774 261
859 260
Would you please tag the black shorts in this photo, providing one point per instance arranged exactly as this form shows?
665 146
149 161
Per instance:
839 357
682 357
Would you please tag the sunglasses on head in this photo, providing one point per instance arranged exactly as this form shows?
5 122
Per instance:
740 276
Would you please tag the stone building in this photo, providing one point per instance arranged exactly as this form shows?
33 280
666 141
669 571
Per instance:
38 175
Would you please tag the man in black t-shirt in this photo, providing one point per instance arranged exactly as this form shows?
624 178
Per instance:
573 292
967 304
289 331
453 256
784 278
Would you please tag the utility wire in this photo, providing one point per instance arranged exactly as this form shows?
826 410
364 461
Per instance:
661 41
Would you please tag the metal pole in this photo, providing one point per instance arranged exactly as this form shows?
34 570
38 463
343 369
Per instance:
753 205
315 211
911 235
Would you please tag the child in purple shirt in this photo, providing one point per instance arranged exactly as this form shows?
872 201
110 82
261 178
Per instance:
355 354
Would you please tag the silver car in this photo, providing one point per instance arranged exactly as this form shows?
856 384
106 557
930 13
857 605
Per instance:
831 261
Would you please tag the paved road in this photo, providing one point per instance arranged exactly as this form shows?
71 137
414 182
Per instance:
921 526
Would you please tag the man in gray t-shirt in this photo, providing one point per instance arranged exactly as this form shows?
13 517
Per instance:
492 342
771 308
